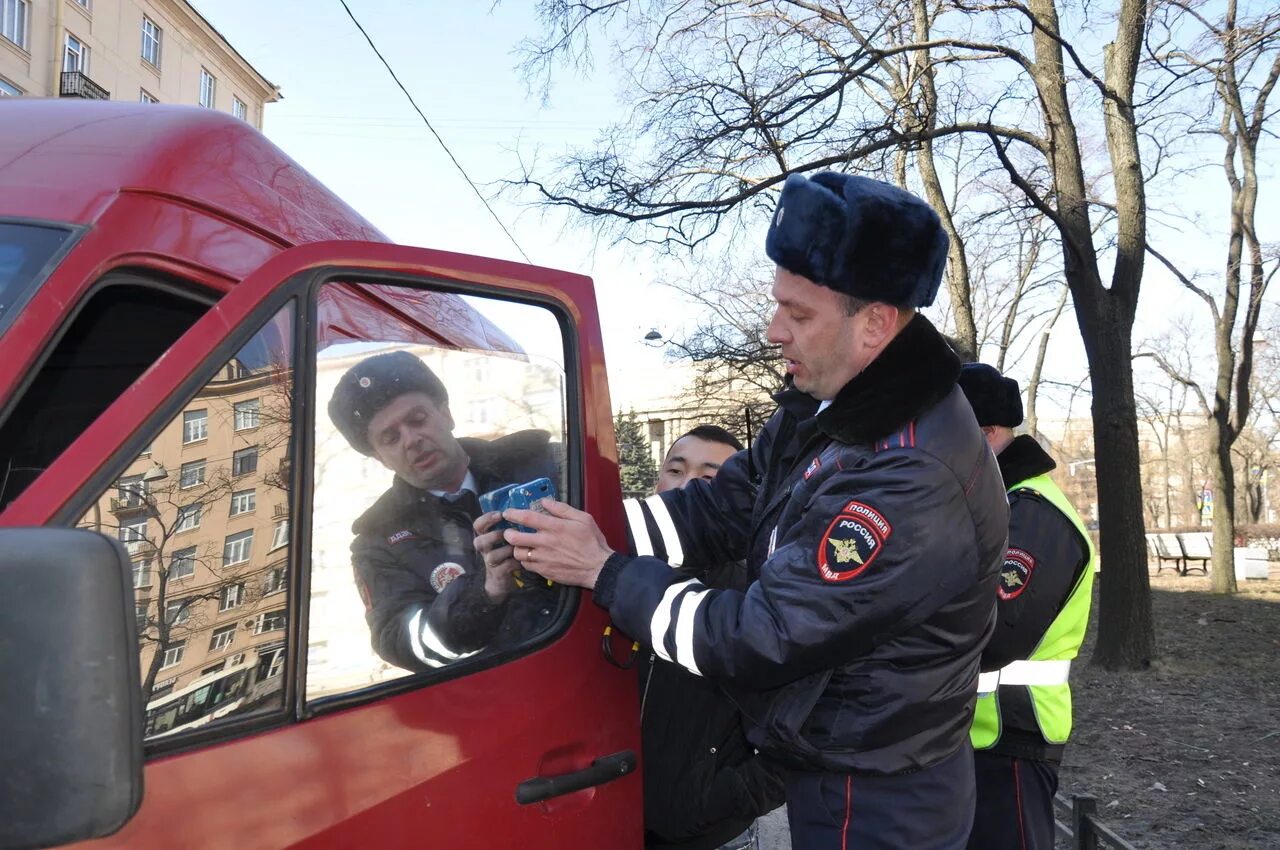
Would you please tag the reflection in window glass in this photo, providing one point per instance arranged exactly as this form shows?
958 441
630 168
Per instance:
405 592
196 569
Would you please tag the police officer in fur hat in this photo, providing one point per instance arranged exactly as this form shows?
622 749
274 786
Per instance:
872 520
1023 715
429 598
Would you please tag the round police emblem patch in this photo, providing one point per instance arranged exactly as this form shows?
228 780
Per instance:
443 575
853 540
1015 575
365 382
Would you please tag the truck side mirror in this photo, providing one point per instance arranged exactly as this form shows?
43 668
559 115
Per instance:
70 704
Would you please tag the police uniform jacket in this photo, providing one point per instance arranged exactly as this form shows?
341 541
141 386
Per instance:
419 575
1044 564
873 532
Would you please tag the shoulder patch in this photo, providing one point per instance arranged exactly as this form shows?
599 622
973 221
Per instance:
852 541
399 536
443 575
1015 575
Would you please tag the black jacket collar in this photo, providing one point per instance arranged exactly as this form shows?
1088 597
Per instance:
913 373
1023 459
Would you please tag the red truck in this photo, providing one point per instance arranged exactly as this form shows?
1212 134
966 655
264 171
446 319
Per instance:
177 300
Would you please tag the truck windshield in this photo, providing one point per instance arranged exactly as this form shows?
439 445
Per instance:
25 254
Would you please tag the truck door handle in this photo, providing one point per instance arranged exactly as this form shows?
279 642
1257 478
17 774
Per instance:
602 770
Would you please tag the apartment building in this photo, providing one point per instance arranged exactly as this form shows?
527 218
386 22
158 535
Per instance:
204 515
154 51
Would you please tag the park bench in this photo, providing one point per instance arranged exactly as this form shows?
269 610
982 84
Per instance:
1196 546
1166 548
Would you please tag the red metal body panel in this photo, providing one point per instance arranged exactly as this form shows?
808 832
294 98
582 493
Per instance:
204 197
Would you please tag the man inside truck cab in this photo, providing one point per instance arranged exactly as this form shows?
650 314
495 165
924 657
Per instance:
429 600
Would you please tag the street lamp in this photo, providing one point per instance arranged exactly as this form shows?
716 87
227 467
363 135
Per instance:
653 335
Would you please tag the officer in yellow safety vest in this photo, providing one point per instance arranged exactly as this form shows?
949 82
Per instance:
1023 715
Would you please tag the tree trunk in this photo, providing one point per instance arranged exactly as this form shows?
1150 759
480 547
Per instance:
1033 383
1222 570
1126 636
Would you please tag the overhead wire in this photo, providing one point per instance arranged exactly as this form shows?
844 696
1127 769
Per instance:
426 121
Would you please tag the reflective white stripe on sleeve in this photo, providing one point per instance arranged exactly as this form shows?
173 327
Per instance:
424 640
684 629
639 530
667 528
1026 673
662 618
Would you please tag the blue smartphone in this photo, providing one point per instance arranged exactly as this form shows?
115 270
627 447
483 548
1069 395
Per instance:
527 496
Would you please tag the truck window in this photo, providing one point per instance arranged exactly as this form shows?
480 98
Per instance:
27 252
408 435
208 534
121 329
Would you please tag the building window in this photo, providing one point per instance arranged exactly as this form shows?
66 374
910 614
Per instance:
140 616
195 425
173 653
231 596
141 574
133 534
274 581
183 563
75 55
208 88
238 109
238 548
188 517
247 413
243 501
244 461
13 20
281 535
191 474
221 639
151 35
7 90
272 621
82 3
131 491
178 612
146 97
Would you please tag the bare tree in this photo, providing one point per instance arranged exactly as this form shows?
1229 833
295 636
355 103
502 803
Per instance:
729 98
1241 57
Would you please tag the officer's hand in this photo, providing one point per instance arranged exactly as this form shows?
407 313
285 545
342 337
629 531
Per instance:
567 545
499 558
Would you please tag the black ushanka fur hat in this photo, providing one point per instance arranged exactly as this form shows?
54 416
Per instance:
371 385
995 399
859 237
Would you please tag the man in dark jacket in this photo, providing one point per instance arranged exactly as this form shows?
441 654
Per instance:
429 600
704 785
1023 715
872 518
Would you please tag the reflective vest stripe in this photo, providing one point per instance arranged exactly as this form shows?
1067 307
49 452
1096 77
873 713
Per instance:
1026 673
639 530
667 528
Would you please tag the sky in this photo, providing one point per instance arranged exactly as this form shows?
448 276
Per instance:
344 119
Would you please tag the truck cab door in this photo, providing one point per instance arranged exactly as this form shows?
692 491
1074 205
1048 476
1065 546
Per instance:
278 711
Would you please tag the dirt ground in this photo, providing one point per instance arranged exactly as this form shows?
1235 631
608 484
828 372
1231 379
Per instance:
1187 755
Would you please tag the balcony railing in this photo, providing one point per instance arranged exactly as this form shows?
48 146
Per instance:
128 504
78 84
